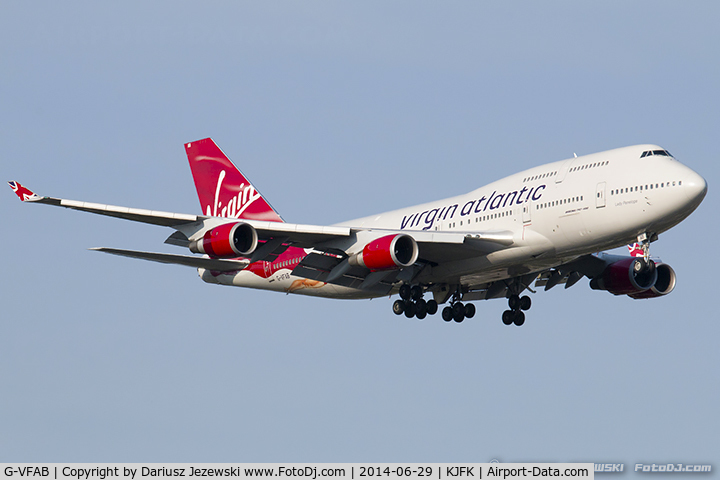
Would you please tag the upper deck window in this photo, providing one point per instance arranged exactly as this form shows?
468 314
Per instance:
649 153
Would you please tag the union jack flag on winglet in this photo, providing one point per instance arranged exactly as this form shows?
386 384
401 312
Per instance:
24 193
636 250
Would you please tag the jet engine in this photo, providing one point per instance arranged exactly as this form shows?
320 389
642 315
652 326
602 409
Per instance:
227 241
627 276
664 284
387 253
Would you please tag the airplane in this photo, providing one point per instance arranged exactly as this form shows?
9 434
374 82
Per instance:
548 225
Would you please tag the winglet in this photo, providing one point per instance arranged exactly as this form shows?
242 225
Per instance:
24 193
636 250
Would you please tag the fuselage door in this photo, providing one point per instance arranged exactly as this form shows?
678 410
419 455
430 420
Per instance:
600 195
563 171
527 208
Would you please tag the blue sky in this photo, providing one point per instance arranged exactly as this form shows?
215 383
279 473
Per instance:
337 111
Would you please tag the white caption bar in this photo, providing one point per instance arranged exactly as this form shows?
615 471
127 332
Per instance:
308 471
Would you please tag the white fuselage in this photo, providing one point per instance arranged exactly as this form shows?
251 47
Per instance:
556 212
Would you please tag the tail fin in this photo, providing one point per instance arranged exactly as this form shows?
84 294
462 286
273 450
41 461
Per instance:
223 190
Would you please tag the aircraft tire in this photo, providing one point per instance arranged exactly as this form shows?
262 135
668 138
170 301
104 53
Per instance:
507 317
519 318
525 303
447 314
416 292
513 302
410 309
432 307
405 292
398 307
469 310
421 309
458 311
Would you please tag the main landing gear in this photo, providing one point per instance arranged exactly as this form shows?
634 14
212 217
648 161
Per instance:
516 315
412 303
457 311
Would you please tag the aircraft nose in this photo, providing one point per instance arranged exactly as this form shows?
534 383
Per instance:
695 187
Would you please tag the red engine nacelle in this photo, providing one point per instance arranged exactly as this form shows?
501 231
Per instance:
227 241
664 284
387 253
628 276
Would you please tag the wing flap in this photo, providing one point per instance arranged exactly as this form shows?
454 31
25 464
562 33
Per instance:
317 266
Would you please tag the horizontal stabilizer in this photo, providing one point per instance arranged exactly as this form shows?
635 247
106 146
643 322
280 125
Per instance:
214 264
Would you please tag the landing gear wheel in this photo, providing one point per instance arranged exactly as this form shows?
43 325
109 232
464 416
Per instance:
421 309
519 318
398 307
458 312
507 317
513 302
405 292
525 303
639 265
416 292
469 310
447 314
432 307
410 309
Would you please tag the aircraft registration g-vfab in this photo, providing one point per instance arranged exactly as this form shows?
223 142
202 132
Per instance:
538 228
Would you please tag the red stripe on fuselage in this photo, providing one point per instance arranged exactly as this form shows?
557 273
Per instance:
287 260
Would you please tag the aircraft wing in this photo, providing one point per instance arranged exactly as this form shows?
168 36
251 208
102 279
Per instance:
215 264
165 219
300 235
435 247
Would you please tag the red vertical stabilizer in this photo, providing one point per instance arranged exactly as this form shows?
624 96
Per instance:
222 189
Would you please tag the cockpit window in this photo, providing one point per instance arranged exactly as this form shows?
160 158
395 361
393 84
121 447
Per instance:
663 153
